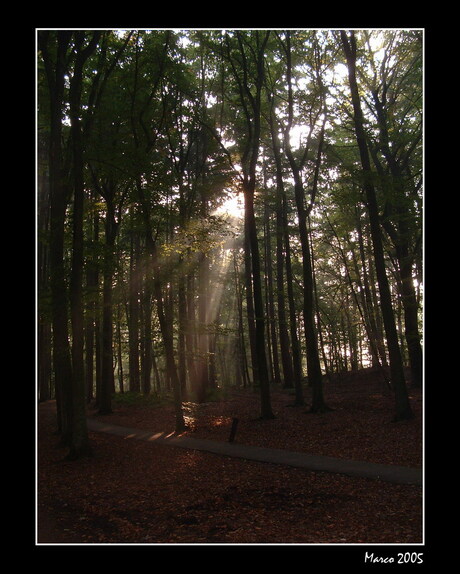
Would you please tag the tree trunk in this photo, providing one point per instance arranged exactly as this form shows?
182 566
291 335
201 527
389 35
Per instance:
44 347
403 408
107 375
182 320
92 283
410 306
281 255
285 345
315 377
166 329
264 383
272 332
121 383
248 70
242 368
369 310
80 440
296 350
203 336
59 197
190 336
400 234
250 304
133 315
147 333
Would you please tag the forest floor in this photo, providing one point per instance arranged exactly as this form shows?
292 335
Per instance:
136 492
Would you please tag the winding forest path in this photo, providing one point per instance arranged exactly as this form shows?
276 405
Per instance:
361 485
389 473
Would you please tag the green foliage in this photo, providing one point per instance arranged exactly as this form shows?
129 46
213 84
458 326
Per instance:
167 118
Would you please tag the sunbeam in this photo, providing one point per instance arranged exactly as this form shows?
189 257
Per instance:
233 206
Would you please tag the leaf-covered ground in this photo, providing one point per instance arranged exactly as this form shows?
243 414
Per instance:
135 492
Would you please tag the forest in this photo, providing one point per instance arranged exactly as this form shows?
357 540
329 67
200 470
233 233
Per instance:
226 209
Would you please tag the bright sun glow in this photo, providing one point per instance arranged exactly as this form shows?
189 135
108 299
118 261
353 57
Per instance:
232 206
298 135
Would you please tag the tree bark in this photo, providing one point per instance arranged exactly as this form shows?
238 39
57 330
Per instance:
59 197
147 334
291 364
92 309
80 440
272 331
296 350
44 347
262 370
133 312
107 386
250 314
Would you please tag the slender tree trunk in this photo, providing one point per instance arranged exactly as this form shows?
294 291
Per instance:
296 350
91 286
403 408
182 293
319 324
121 383
365 307
133 316
182 335
375 340
241 346
315 377
147 333
250 304
272 332
92 310
59 197
166 329
248 71
44 361
44 347
292 363
203 336
285 346
264 383
400 235
107 374
191 331
410 306
80 440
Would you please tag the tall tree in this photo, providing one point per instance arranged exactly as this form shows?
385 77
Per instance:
44 346
134 282
83 48
292 366
304 207
54 47
403 408
247 59
396 95
146 119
